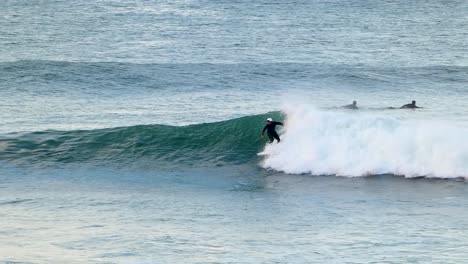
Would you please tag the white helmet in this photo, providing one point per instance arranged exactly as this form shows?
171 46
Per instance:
269 119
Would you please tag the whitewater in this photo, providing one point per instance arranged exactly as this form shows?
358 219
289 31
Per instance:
363 144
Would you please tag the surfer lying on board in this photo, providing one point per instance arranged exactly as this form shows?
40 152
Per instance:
270 128
351 106
412 105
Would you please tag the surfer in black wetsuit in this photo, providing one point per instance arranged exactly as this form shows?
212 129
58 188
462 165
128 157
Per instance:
351 106
270 128
412 105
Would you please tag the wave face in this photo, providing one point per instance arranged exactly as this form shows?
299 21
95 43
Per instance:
356 144
234 141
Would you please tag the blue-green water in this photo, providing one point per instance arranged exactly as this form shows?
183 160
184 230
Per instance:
130 131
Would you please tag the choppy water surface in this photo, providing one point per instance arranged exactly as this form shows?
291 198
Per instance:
130 131
250 217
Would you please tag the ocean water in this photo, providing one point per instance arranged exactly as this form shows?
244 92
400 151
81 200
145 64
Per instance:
130 131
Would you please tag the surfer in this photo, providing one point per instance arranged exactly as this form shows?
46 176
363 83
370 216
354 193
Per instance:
270 128
351 106
412 105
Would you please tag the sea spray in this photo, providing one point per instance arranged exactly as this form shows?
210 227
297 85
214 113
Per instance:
350 143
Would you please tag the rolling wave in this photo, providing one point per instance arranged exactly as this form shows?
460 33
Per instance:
313 142
210 144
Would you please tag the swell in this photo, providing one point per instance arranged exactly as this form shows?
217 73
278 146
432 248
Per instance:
52 77
210 144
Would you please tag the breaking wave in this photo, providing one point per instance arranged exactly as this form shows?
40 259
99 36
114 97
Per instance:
317 142
360 144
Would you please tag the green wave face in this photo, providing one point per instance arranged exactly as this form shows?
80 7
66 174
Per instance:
233 141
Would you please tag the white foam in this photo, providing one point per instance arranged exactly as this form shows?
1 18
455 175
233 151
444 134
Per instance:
351 143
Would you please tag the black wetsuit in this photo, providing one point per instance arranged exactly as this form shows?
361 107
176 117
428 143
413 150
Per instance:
270 128
409 106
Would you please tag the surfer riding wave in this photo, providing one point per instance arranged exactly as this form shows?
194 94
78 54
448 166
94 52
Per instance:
270 128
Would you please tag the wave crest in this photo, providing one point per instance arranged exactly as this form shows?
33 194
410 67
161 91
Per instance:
356 144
